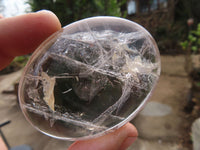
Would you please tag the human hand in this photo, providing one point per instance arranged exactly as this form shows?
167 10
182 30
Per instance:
120 139
22 35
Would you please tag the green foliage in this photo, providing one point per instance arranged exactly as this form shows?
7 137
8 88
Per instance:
20 61
193 41
72 10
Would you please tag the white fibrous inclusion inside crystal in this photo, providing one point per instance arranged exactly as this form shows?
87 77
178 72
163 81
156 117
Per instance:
92 79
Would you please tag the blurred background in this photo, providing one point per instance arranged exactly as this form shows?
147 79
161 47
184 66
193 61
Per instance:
175 25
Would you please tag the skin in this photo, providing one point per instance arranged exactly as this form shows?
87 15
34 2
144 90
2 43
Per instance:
22 35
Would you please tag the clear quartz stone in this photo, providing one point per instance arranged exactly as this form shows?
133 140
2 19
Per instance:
92 76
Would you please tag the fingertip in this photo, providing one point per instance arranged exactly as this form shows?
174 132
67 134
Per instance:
23 34
53 19
45 11
131 129
127 143
117 140
129 134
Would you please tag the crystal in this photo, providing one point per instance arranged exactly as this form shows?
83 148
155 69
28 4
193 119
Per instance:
90 77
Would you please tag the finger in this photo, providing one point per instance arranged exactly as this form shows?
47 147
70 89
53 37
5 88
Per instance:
22 34
117 140
2 145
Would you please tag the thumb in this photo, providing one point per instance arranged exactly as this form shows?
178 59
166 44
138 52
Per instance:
23 34
120 139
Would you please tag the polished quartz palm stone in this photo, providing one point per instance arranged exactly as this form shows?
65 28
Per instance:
92 76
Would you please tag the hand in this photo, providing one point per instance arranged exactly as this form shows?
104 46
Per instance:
22 35
120 139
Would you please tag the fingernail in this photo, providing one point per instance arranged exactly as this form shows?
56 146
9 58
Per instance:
127 142
44 11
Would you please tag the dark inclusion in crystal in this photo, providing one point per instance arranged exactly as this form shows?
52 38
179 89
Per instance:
90 80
